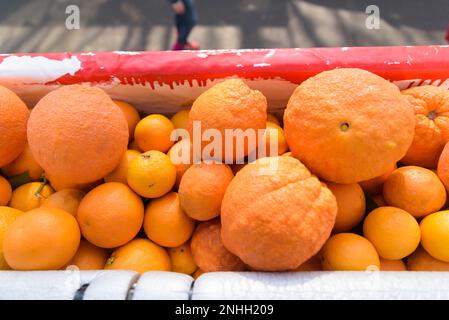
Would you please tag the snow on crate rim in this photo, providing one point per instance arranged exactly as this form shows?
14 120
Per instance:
415 64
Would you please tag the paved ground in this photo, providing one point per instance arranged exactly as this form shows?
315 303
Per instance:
39 25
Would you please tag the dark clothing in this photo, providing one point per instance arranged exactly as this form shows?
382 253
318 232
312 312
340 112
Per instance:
185 22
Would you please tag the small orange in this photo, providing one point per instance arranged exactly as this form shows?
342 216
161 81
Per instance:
350 203
181 119
273 119
416 190
349 252
7 217
313 264
120 173
273 138
41 239
394 232
30 196
374 186
131 116
209 252
151 174
140 255
435 235
24 163
153 133
202 189
110 215
5 191
420 260
181 157
392 265
89 257
59 183
182 259
431 105
165 222
66 199
443 166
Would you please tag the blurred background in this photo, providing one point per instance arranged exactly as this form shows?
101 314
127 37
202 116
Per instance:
107 25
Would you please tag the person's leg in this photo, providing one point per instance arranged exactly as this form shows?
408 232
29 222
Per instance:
189 19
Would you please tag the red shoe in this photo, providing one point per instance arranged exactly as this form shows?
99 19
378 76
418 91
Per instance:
192 46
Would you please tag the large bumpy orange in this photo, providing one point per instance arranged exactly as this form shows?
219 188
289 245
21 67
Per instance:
230 104
41 239
431 106
77 133
276 215
348 125
110 215
13 126
443 166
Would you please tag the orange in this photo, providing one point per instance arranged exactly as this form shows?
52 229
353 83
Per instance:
276 215
313 264
431 106
273 138
59 183
435 235
197 273
273 119
392 265
443 166
180 119
120 173
110 215
379 200
202 189
349 252
66 199
140 255
5 191
30 196
348 125
420 260
131 115
153 133
151 174
77 133
230 104
41 239
24 163
182 259
133 146
7 217
13 126
180 155
350 203
394 232
414 189
89 257
374 186
208 250
165 222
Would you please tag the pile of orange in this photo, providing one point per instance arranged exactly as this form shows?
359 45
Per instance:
353 177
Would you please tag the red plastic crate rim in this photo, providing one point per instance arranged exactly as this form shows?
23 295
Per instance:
168 80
